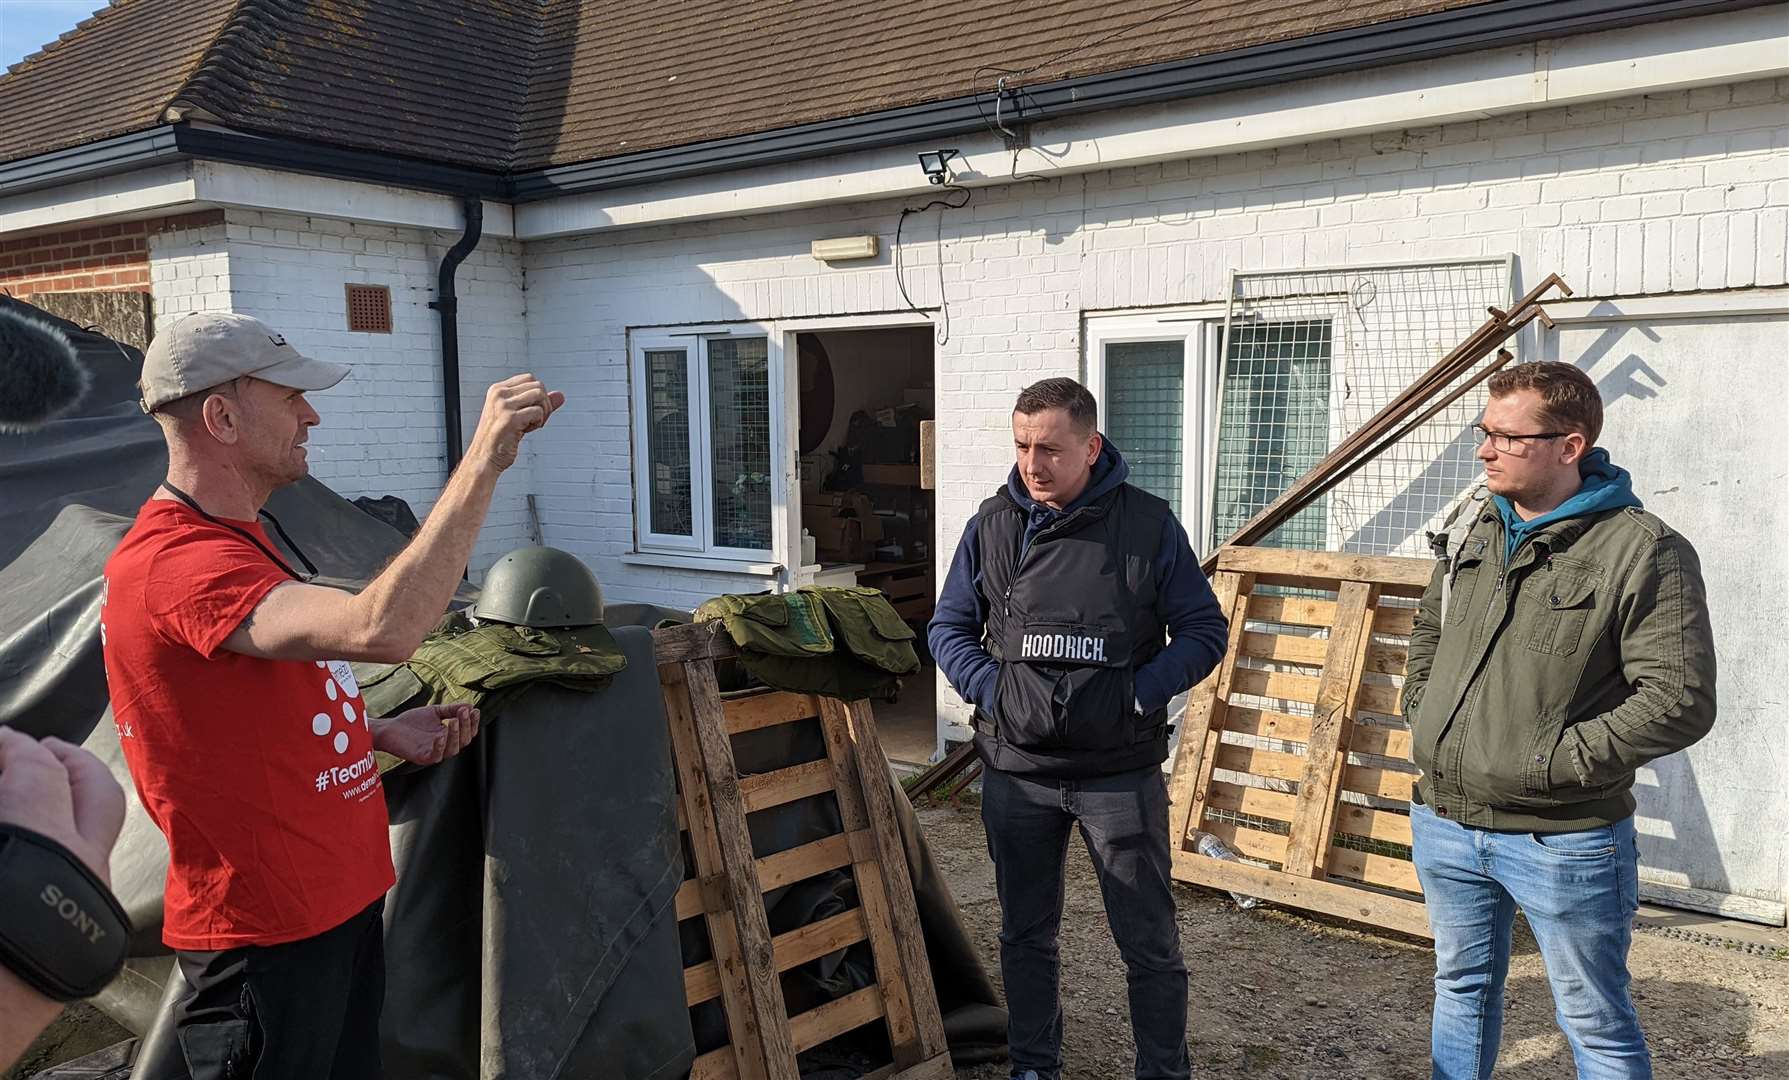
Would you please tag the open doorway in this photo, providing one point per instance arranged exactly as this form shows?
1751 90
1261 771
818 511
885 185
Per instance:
864 400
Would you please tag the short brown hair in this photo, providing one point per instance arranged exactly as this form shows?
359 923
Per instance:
1065 394
1569 400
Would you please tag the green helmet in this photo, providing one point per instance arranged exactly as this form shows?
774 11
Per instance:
540 587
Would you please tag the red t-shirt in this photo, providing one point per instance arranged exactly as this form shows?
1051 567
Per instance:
259 772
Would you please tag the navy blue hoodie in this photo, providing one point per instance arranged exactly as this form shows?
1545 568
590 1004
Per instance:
1197 629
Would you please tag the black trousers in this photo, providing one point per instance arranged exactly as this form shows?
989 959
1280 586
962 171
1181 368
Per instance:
1124 820
304 1010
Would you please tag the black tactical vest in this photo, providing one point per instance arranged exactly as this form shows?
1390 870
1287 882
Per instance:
1070 620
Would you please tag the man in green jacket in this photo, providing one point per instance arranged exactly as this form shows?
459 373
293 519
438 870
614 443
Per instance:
1562 643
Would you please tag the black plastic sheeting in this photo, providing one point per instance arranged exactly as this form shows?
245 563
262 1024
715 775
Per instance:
531 932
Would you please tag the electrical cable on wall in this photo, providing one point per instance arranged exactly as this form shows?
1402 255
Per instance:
901 270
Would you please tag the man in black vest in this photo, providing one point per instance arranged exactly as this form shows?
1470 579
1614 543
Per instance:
1073 613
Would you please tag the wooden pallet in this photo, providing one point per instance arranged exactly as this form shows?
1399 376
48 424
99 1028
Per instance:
908 586
1303 722
726 889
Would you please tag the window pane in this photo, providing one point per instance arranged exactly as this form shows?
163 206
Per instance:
1275 425
670 501
1145 402
739 408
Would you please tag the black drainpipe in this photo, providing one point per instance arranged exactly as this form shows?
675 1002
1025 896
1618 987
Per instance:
448 305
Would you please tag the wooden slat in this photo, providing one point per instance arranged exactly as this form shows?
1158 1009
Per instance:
1274 684
753 1024
1381 741
783 868
1257 762
1253 801
768 710
1267 723
938 1068
1380 699
836 1017
1395 573
800 863
1371 824
866 800
767 1010
702 982
1395 621
1385 783
1387 659
1285 648
1202 729
764 790
1254 843
1330 726
692 641
1312 894
1292 610
715 1065
1381 870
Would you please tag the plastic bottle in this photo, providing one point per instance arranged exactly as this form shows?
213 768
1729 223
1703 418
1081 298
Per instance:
1211 847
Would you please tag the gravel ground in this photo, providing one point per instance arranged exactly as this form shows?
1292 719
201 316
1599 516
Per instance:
1276 995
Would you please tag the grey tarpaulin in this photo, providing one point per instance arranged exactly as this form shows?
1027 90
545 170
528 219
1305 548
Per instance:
71 490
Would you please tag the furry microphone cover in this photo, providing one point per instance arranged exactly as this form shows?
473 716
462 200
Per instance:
41 375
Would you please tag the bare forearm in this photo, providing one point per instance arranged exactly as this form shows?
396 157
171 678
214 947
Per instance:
408 598
23 1013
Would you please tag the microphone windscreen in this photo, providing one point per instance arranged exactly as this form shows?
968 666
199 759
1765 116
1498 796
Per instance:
41 374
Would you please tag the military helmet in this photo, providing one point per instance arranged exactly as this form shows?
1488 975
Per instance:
540 587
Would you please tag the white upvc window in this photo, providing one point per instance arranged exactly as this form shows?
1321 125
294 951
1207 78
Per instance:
707 410
1155 378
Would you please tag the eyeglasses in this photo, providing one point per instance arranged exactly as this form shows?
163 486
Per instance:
1506 442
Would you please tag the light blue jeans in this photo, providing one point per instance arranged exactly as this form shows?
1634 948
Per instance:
1579 892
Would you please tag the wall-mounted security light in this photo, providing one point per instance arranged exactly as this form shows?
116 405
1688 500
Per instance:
936 164
844 248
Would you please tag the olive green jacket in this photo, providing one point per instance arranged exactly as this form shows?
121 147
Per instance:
1557 675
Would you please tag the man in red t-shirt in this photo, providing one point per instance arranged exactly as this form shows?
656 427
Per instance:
239 714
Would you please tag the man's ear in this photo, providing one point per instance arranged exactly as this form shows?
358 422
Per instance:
222 416
1575 448
1094 445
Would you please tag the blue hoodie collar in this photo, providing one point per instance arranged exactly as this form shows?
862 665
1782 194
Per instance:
1109 470
1606 486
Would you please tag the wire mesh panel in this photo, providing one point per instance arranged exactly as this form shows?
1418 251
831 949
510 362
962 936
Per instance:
739 408
1309 357
1145 399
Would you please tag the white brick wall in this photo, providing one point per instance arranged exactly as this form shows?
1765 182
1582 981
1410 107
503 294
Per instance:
1672 192
382 427
189 270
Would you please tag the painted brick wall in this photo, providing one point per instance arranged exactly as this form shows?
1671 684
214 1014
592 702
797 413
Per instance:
1664 193
93 258
382 430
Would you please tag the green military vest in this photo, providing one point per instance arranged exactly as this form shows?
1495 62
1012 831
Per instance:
842 643
486 665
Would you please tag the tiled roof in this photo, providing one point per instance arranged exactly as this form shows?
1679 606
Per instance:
512 85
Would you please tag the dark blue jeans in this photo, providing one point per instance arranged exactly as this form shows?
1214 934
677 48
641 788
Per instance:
1124 820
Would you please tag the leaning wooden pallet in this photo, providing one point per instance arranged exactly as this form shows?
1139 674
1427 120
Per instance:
728 885
1294 752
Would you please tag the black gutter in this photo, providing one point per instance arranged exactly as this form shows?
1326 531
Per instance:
1496 23
448 304
1481 26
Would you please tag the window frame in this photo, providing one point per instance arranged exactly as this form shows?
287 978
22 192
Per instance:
693 342
1199 330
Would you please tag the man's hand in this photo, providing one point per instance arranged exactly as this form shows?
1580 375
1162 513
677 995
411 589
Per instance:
513 408
65 793
427 735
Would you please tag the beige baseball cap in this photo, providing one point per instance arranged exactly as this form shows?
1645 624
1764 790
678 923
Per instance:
206 349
